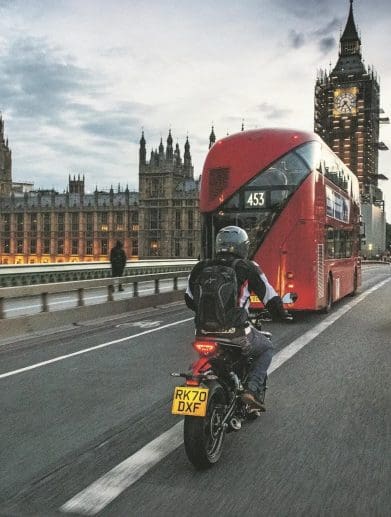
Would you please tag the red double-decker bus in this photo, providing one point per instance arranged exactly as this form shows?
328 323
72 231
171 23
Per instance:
299 204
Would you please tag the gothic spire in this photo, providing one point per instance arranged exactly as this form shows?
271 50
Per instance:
349 60
350 32
350 42
161 147
169 138
177 154
169 149
187 155
142 151
212 138
187 148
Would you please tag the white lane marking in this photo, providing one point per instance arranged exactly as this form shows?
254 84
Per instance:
104 490
146 324
112 484
91 349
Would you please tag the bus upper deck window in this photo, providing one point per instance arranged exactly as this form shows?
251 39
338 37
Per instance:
233 202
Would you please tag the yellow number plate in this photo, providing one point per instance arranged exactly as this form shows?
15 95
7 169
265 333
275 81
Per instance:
189 401
254 299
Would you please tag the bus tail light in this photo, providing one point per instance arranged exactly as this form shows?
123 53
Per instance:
289 275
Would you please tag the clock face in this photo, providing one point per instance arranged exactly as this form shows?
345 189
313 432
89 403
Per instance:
345 102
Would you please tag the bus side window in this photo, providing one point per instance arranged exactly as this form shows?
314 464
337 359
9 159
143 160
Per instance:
337 244
349 243
330 243
342 244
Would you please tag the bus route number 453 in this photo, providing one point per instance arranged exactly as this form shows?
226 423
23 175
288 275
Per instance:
255 199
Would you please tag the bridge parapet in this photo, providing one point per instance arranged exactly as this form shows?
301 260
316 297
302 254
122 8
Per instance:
32 274
44 290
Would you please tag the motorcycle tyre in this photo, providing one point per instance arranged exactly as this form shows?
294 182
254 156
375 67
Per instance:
196 432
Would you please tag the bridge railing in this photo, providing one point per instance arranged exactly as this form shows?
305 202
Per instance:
31 274
80 287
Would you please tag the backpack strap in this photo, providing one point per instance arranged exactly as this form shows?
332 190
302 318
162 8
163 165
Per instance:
235 262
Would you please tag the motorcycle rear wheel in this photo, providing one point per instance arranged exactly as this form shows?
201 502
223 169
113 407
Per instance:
204 436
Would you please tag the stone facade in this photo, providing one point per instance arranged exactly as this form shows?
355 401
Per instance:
47 226
162 221
168 198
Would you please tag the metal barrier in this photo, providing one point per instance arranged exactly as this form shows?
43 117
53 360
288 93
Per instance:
31 274
44 290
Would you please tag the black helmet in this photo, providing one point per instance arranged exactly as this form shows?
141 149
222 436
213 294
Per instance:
232 239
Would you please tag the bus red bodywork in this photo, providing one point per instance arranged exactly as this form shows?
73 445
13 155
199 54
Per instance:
298 202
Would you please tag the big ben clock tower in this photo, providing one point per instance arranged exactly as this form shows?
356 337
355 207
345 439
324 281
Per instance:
347 111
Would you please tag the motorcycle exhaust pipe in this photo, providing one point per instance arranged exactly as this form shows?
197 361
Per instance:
235 423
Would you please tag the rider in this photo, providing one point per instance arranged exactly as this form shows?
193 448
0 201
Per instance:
232 243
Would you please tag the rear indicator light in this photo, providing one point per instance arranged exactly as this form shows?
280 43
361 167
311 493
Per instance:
289 275
290 286
205 348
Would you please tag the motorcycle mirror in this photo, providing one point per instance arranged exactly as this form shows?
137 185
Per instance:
289 298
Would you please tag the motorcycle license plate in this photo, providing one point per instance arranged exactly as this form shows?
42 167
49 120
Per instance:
189 401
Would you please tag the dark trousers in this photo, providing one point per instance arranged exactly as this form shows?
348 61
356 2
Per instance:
117 272
261 350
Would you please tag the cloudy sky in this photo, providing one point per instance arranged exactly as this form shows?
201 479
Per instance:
79 79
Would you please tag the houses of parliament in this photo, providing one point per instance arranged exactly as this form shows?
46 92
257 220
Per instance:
162 219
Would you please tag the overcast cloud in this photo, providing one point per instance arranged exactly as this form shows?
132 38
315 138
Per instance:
79 80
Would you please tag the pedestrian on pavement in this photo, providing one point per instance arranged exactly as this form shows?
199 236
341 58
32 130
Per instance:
118 261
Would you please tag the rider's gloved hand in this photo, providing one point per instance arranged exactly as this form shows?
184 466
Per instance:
276 310
244 343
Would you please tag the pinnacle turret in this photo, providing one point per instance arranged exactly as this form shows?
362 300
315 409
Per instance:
161 147
177 155
187 155
169 149
212 138
142 151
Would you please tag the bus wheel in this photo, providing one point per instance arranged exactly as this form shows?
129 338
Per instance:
355 284
327 308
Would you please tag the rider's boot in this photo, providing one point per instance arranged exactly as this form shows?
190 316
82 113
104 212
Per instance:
252 400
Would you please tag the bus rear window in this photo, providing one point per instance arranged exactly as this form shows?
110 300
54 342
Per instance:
257 204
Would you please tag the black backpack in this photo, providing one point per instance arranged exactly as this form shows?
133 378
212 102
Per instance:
215 297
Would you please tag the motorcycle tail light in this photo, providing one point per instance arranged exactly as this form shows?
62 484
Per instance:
192 382
205 348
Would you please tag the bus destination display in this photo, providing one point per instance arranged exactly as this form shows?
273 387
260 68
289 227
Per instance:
255 199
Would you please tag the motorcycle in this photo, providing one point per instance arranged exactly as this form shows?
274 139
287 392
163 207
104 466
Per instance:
210 400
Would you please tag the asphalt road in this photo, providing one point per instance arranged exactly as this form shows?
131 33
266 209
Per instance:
76 404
